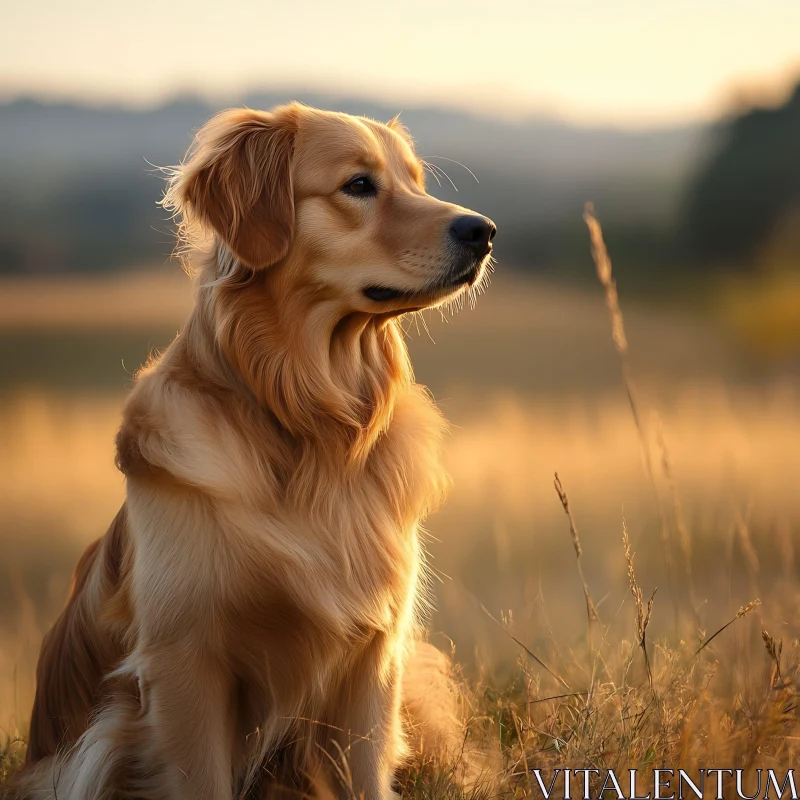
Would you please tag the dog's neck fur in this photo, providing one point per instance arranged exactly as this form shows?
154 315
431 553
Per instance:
322 374
318 389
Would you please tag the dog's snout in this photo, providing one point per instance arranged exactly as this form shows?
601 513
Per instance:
474 231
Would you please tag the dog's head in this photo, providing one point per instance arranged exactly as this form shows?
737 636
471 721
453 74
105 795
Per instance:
338 200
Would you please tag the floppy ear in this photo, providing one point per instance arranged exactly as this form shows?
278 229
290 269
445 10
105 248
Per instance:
238 180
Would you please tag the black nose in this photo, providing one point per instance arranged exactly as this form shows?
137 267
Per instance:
474 232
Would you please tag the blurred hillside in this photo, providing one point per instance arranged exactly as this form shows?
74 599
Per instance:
77 192
78 185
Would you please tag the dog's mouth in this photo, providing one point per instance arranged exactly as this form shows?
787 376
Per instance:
383 294
388 294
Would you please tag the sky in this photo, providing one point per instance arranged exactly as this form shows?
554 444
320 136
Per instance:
631 63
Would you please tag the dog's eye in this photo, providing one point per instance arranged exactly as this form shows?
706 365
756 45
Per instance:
361 186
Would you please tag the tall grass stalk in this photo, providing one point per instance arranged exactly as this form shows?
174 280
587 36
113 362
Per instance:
602 263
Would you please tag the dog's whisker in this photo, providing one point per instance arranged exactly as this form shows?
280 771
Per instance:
429 168
452 160
444 174
425 326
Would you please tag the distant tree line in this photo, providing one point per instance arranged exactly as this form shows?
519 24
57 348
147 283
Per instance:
748 188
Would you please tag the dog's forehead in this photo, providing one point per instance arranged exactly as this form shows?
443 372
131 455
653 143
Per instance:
398 147
329 139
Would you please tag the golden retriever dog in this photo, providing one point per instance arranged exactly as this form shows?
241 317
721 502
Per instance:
243 627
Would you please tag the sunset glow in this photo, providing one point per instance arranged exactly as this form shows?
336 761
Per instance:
618 62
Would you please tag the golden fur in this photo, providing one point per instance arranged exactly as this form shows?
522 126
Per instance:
247 618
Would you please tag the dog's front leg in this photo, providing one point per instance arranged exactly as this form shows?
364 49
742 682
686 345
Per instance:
179 656
186 714
366 721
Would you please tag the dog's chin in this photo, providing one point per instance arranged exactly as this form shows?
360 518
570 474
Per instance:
404 301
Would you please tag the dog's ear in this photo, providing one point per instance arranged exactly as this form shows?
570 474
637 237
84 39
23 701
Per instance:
238 180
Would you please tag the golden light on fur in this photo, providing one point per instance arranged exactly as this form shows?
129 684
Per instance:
249 613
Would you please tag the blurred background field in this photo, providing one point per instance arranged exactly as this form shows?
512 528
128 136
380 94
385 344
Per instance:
702 217
530 381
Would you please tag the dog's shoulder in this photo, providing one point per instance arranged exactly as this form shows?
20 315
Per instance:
179 425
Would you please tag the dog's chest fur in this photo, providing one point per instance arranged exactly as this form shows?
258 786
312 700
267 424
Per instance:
285 539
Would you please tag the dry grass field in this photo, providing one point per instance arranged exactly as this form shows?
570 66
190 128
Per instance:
705 489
